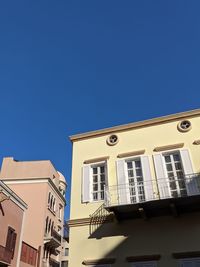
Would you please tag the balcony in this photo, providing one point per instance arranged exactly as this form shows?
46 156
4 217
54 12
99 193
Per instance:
52 239
146 199
5 255
53 263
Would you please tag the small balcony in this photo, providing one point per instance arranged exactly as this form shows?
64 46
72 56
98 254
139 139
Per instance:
5 255
52 239
53 263
173 195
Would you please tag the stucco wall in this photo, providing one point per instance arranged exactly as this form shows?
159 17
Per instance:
163 235
11 215
144 138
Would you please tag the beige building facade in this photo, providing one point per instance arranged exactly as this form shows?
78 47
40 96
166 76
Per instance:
135 194
12 216
43 188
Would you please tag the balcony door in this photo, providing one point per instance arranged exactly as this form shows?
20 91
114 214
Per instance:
135 181
175 174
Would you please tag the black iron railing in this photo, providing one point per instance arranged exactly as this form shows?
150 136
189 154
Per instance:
143 191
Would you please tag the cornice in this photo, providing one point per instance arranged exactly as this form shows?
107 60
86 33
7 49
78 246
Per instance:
136 125
168 147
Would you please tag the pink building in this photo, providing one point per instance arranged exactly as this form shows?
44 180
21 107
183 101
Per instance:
12 210
43 188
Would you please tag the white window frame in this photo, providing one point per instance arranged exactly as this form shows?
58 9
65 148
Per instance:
94 165
182 261
169 153
127 177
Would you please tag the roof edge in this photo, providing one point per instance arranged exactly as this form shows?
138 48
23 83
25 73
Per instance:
135 125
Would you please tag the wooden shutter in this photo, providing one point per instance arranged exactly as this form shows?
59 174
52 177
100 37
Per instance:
123 187
86 187
161 176
191 183
14 237
148 186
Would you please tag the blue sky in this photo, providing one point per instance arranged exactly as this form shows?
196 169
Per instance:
73 66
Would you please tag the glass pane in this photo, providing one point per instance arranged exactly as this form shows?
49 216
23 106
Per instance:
95 196
94 170
102 177
169 167
95 187
176 157
102 169
130 173
137 164
173 185
178 166
95 179
167 159
138 172
129 165
102 186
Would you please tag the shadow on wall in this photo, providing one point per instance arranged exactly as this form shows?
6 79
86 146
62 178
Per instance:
159 237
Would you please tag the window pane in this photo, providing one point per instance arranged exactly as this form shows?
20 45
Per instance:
129 165
94 170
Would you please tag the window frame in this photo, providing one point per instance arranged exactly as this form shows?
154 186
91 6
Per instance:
134 159
97 165
171 153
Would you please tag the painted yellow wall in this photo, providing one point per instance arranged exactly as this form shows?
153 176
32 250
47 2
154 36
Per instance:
162 235
144 138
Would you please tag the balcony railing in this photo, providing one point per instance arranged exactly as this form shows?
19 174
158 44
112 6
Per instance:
144 191
56 235
5 255
53 263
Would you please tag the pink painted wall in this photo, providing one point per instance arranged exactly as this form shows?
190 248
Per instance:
13 216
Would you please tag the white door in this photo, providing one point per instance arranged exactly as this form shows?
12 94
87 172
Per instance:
175 174
135 180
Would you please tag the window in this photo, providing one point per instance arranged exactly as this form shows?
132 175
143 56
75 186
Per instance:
28 254
144 264
60 212
93 182
98 182
192 262
135 180
66 252
11 240
175 174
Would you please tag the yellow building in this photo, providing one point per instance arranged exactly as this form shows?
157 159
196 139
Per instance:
135 194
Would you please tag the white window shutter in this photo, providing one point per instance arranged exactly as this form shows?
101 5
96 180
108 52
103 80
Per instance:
191 183
148 186
86 190
162 179
123 187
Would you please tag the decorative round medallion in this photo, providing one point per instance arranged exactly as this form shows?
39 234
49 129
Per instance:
112 140
184 126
